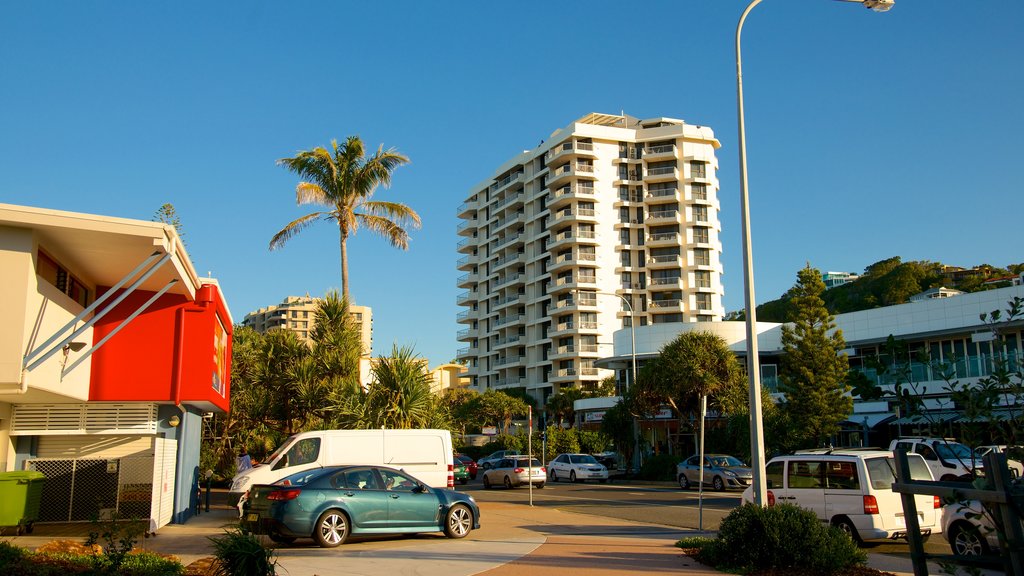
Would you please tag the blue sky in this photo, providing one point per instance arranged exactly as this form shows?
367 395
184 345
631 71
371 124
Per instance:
869 135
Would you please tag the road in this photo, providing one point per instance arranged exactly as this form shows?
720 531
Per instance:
652 503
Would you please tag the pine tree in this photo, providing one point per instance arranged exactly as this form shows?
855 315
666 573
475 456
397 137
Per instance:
813 369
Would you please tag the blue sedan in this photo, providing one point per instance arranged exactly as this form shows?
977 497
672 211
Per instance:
331 504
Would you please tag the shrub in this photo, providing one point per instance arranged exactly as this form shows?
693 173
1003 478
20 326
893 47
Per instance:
659 467
784 536
240 554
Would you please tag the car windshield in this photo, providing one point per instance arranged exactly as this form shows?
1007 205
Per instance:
280 449
725 461
524 462
953 451
882 471
582 459
299 478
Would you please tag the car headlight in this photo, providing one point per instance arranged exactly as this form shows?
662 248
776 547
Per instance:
729 473
239 485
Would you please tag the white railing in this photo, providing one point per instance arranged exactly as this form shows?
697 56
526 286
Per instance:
664 281
660 170
665 303
665 148
662 214
665 236
664 259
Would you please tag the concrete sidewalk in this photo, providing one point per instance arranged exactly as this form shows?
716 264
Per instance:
514 540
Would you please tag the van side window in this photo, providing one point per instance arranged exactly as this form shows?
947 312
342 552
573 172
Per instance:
303 452
806 474
773 474
842 476
926 451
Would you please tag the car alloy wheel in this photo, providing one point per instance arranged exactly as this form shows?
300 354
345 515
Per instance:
846 526
572 476
965 541
458 521
554 475
331 529
684 482
508 482
718 484
487 483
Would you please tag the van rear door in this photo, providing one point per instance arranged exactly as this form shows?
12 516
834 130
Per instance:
882 475
805 483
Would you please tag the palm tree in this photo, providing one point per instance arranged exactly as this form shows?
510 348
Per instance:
344 179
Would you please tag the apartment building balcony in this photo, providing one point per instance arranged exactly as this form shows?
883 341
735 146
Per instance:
504 182
506 341
574 281
509 319
588 350
663 239
569 149
575 215
509 280
666 305
508 240
569 192
571 304
660 217
562 352
700 175
466 316
509 383
467 209
467 352
467 334
467 280
665 261
506 360
513 258
507 219
574 258
466 297
659 152
466 245
559 174
629 154
511 199
633 286
661 174
662 195
467 227
661 284
466 262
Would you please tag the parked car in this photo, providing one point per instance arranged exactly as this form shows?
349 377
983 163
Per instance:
1016 467
721 472
460 471
494 457
471 465
948 460
515 471
330 504
969 529
608 459
576 467
851 489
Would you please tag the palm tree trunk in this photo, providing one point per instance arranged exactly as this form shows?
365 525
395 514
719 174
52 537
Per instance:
344 268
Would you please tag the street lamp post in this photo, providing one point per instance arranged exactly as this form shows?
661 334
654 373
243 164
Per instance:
632 343
760 490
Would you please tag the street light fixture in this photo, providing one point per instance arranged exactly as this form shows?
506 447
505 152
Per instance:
758 483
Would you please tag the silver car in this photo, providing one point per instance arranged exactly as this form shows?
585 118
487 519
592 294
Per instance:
515 471
721 471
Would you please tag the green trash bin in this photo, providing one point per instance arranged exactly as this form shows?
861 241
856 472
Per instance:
20 493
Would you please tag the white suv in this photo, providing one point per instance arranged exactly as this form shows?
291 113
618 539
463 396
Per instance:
948 460
851 489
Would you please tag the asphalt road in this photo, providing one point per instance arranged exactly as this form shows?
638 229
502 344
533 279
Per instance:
660 503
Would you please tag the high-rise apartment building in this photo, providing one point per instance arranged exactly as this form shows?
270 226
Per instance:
611 212
298 314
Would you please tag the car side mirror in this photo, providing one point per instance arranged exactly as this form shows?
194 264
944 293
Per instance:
419 489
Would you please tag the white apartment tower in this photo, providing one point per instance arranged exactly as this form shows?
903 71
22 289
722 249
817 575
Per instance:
610 209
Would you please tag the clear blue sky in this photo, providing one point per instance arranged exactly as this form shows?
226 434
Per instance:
869 135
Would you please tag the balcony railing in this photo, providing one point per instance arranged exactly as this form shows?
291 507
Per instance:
661 170
511 218
674 303
663 237
508 319
507 180
662 192
664 281
662 214
663 149
586 212
466 224
664 259
508 240
507 340
567 190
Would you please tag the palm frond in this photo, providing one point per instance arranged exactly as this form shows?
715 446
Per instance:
293 228
311 193
394 233
400 213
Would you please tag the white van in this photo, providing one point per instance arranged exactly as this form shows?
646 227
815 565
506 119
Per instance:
851 489
426 454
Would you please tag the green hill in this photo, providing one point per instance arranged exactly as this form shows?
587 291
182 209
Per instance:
893 281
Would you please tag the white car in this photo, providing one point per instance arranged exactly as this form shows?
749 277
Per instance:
1016 467
576 468
969 529
489 461
948 460
852 490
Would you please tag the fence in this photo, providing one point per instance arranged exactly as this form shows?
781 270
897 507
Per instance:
81 490
1002 497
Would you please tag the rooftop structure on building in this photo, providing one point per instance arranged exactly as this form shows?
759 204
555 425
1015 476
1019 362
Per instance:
932 293
833 279
612 221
